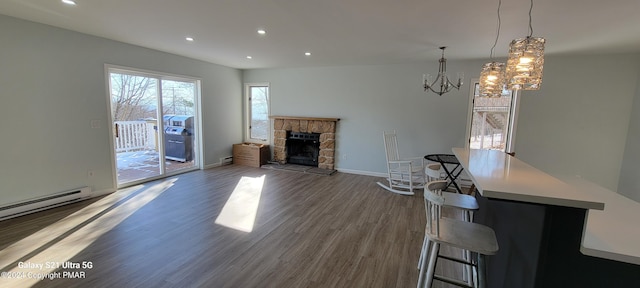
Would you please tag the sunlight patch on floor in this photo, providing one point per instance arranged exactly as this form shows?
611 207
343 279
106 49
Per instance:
242 206
46 253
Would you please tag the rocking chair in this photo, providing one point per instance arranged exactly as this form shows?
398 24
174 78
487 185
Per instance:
405 174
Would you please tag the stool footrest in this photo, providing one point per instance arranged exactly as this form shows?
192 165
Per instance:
462 261
451 281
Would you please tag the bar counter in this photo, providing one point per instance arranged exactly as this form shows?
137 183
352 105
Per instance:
545 236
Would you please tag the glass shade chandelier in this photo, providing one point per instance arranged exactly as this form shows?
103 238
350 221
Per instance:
525 63
492 76
492 79
442 81
526 60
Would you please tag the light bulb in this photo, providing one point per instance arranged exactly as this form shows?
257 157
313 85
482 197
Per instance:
525 60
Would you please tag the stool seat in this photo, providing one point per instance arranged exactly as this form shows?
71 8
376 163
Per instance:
466 235
460 201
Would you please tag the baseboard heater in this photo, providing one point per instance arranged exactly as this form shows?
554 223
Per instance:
43 203
226 160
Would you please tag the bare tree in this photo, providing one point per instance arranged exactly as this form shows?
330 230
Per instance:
177 97
135 97
132 97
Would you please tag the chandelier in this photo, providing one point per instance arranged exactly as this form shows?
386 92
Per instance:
526 59
492 76
442 81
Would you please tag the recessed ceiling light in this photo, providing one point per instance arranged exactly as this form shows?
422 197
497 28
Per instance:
262 31
249 57
190 39
69 2
307 53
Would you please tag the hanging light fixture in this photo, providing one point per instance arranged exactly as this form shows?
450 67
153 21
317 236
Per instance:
442 80
492 79
526 60
492 76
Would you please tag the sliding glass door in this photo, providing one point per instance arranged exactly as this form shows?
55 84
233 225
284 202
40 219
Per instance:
154 124
179 115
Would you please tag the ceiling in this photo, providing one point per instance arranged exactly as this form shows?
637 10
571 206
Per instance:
342 32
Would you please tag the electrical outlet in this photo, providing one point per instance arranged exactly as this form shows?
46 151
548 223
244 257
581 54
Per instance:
344 156
96 123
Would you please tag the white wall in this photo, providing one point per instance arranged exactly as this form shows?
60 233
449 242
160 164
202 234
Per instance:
629 183
370 99
576 124
52 84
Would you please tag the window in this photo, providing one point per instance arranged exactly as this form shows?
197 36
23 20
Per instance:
492 121
257 112
155 124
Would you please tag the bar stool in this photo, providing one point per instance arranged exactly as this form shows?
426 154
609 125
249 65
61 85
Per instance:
468 236
466 203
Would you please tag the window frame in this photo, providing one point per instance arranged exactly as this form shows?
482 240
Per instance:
160 76
513 117
248 114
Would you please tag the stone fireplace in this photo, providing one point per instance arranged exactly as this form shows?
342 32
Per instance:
326 127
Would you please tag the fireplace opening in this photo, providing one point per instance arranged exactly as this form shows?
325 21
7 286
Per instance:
303 148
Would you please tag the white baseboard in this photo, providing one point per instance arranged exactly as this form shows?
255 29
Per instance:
223 161
214 165
102 192
362 172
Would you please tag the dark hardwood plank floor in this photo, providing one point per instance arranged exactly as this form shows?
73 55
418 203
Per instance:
310 231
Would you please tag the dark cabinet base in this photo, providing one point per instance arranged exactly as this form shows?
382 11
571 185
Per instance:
540 247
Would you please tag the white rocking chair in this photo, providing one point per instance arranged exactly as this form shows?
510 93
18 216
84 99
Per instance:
405 174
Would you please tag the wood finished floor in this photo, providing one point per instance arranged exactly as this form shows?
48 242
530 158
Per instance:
310 231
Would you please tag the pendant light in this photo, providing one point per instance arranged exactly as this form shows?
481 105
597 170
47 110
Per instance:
492 76
526 60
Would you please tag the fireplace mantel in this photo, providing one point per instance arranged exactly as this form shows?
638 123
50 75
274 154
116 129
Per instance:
326 127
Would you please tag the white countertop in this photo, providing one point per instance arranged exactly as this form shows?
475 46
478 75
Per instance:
500 176
613 233
611 230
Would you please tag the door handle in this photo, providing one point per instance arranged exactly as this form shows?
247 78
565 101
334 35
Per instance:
117 131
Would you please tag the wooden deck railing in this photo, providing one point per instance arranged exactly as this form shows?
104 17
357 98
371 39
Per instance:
135 135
